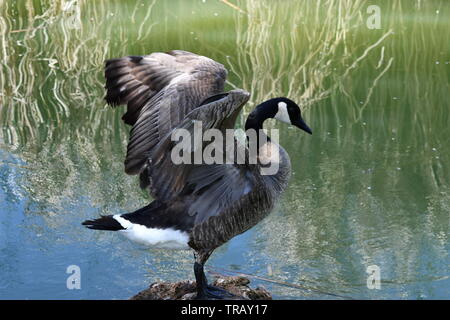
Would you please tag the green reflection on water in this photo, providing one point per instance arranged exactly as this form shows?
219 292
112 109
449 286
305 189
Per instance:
369 187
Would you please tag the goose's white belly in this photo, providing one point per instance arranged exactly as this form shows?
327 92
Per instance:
156 238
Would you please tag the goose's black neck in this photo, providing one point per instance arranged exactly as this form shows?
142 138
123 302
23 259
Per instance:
261 113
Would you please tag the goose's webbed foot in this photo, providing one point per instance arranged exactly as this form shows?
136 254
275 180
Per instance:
214 293
206 291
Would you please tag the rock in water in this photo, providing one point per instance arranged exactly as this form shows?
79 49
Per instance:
185 290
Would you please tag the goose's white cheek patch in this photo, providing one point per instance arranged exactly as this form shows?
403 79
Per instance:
282 114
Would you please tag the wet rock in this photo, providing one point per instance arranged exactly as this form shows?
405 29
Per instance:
185 290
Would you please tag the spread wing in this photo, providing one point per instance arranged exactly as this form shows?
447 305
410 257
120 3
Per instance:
159 90
211 187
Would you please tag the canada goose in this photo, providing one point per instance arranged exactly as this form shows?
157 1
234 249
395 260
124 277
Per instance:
198 206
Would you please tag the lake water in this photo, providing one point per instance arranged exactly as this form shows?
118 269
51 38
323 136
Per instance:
370 187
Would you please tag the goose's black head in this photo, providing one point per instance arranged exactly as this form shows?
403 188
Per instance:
282 109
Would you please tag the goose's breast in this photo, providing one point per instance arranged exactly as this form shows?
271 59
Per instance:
239 216
234 220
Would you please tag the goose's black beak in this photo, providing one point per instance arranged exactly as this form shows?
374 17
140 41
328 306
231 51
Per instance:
302 125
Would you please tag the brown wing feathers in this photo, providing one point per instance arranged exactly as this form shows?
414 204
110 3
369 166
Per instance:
159 90
133 81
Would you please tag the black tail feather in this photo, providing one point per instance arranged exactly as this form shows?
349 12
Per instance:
155 215
103 223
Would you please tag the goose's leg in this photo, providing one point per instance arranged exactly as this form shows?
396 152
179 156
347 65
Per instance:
200 279
205 291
